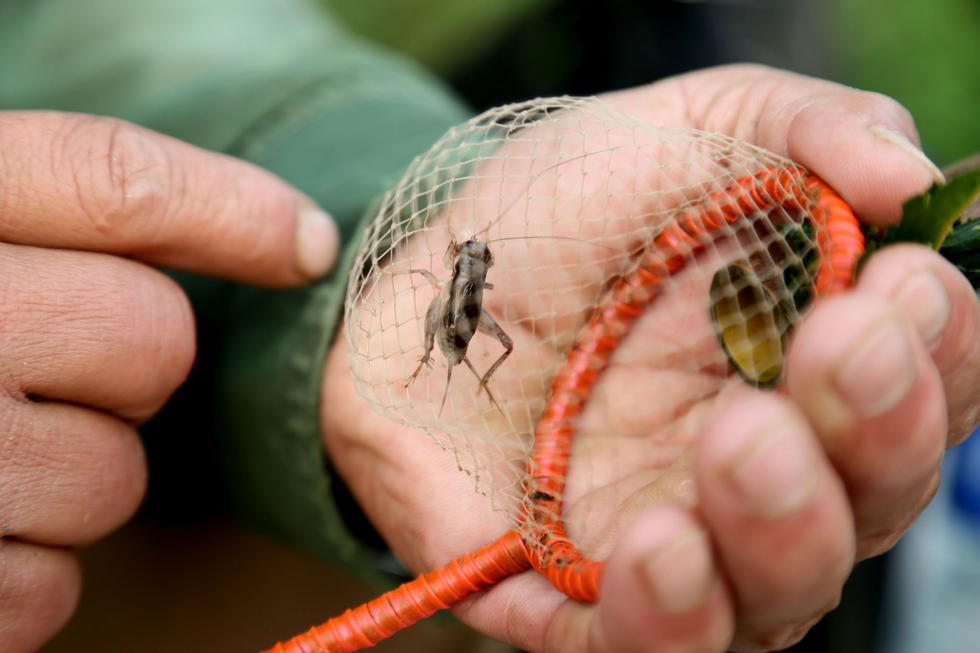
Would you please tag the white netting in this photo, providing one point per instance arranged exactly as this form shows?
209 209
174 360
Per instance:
565 192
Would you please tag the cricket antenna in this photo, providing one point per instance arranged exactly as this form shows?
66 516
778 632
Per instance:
481 234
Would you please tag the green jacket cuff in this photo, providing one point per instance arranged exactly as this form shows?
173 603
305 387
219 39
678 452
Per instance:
343 149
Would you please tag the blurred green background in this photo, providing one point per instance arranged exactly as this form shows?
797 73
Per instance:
923 53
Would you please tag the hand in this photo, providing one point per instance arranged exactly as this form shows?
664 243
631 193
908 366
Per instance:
94 339
790 490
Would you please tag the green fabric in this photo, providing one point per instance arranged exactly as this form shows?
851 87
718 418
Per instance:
444 35
275 82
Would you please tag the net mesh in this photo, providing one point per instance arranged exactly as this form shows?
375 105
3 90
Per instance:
566 194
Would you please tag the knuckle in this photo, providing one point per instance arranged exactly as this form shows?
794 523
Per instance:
787 633
881 108
69 475
164 341
39 590
116 334
137 323
180 320
116 483
782 637
878 536
958 361
121 173
877 544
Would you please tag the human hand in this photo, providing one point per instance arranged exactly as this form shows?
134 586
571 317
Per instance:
845 460
95 339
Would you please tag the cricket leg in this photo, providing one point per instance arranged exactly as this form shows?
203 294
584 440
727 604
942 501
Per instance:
431 325
431 278
483 385
490 327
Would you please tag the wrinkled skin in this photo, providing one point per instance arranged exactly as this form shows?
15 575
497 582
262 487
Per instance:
790 490
94 339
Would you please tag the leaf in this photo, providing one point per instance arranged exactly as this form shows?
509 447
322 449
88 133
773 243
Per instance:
962 249
928 218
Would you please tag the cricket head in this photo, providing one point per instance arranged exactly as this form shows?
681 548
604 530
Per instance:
472 249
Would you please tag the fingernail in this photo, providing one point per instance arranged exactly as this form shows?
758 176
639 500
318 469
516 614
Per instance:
317 241
678 575
878 371
775 472
925 301
898 139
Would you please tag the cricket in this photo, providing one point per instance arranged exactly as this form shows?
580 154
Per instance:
457 313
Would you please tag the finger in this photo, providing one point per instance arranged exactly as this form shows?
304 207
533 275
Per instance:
660 592
943 308
92 329
866 147
70 474
84 182
39 588
859 371
863 144
779 517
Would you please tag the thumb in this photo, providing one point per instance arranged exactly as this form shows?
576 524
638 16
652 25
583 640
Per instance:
91 183
865 146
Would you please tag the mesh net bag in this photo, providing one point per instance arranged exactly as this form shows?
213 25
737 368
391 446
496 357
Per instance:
708 244
555 269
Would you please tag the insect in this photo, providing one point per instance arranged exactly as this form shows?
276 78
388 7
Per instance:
457 313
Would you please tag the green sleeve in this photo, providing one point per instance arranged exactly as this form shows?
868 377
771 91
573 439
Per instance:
274 82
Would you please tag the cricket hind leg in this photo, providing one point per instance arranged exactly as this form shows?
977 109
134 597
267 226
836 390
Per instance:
483 386
489 326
